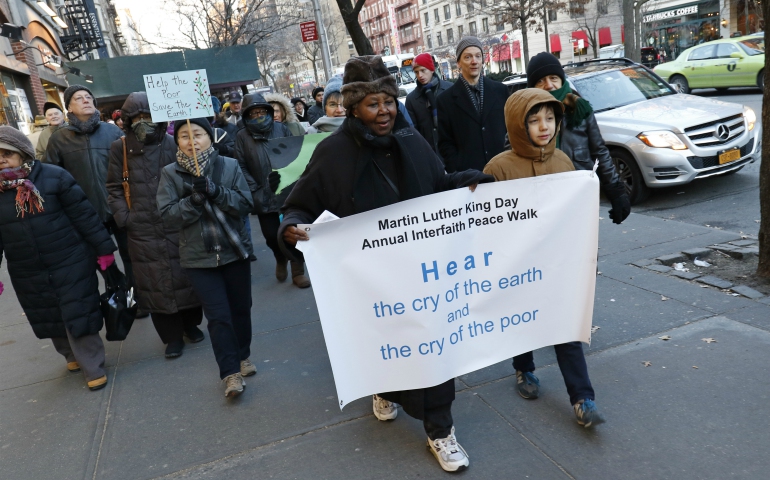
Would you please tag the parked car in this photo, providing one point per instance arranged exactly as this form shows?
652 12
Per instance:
720 64
515 82
659 137
650 57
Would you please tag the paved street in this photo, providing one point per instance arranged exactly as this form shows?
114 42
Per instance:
168 418
730 202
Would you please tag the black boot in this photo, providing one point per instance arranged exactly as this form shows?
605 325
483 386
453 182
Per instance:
174 348
193 334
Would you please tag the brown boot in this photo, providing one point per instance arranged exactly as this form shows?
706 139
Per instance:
280 270
298 275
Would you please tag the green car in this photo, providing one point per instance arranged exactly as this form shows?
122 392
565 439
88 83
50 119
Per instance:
720 64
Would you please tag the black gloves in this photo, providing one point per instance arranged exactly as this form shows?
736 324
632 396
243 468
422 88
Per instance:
197 199
205 186
273 180
621 205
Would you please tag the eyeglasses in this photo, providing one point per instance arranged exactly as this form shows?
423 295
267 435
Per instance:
257 112
335 106
7 154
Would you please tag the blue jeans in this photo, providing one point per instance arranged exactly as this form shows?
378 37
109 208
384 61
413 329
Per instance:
572 363
225 293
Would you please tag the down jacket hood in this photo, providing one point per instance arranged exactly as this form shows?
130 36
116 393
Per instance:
516 108
288 112
135 104
253 100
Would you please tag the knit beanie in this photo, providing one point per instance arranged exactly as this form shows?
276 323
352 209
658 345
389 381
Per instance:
15 141
49 105
424 60
364 75
542 65
315 92
334 86
201 122
71 91
466 42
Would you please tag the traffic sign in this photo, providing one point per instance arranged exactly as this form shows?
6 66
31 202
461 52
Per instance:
309 31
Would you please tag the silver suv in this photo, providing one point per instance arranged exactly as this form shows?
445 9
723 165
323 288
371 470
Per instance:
659 137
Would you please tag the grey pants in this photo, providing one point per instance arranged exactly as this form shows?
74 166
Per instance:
88 351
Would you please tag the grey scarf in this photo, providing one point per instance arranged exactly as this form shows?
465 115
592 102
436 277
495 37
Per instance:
478 102
85 127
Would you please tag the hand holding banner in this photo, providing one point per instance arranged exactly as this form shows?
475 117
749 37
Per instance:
418 292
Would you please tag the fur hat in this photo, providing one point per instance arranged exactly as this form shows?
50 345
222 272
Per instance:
201 122
15 141
542 65
334 86
424 60
364 75
71 91
282 102
466 42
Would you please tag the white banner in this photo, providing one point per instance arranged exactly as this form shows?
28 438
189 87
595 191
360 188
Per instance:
415 293
178 95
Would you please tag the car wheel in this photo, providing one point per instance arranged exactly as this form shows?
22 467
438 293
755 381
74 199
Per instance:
631 176
761 80
722 89
680 82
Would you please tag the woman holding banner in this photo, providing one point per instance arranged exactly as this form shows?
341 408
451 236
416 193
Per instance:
376 159
204 197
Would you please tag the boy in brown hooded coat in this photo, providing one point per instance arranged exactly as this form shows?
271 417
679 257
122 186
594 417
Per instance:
532 118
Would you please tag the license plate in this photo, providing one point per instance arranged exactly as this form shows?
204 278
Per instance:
729 156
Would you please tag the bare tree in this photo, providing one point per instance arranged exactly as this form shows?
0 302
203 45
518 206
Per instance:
270 53
350 13
763 269
632 19
311 51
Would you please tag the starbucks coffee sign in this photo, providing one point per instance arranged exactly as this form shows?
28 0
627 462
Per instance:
679 12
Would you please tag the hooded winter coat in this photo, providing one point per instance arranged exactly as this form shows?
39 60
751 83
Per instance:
161 284
421 111
86 156
254 159
525 159
465 138
52 255
288 114
341 178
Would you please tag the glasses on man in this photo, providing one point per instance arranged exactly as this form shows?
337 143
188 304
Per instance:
257 112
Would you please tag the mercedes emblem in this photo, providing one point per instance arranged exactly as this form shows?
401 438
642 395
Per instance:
722 131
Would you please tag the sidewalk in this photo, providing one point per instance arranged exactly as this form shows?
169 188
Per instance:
169 418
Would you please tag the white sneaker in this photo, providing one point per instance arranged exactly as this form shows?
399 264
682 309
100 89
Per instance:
383 409
450 455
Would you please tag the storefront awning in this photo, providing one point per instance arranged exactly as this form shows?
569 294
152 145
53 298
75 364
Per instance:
516 49
581 35
622 34
555 43
501 52
115 78
605 36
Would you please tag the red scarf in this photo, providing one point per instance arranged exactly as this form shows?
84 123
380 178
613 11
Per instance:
28 199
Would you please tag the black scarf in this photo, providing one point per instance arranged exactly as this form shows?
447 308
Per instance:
371 189
478 101
89 126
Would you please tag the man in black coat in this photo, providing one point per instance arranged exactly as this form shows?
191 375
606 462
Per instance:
421 102
471 122
316 110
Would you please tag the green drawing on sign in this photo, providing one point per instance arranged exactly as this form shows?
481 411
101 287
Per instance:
203 95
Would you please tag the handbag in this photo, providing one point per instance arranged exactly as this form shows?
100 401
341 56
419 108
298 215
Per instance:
126 187
117 304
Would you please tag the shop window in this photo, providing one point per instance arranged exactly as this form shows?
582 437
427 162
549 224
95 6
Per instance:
505 66
447 12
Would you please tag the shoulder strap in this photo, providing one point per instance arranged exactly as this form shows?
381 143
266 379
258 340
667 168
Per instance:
125 159
387 179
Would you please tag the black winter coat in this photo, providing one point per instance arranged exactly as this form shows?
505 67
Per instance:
421 112
85 157
224 141
161 284
583 145
342 179
465 140
254 159
315 112
52 255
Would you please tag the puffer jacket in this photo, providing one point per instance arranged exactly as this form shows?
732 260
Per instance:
180 214
254 159
584 144
86 156
161 284
525 159
52 254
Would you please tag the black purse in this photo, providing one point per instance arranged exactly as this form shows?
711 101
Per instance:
118 305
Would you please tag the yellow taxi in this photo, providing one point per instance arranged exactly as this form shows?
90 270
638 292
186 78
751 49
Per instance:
720 64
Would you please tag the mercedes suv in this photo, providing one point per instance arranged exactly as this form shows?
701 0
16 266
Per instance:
659 137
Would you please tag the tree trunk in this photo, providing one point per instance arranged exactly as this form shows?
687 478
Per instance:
350 17
763 269
545 29
315 70
629 45
524 45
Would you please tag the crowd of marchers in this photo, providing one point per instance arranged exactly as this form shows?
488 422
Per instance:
175 201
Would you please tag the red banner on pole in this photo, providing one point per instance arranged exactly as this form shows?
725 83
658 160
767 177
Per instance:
309 31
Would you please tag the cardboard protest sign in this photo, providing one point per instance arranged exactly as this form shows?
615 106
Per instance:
178 95
289 156
415 293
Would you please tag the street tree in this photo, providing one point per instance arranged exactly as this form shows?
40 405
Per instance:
350 12
632 19
311 51
763 269
589 16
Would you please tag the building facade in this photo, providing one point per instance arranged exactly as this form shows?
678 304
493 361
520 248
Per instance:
393 26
